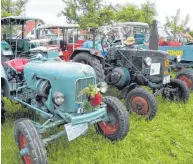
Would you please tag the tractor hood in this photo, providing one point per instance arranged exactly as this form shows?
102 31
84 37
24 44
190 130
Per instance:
55 71
68 78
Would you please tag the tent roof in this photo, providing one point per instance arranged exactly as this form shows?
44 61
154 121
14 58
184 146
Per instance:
16 20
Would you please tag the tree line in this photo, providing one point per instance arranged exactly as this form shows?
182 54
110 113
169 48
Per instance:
94 13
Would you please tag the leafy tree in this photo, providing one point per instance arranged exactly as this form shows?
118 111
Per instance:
11 7
87 13
94 13
128 13
107 15
148 11
176 24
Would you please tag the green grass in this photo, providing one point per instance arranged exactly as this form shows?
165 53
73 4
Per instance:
167 139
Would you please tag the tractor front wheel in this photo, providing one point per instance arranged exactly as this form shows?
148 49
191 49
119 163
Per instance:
141 102
31 146
180 91
117 126
187 77
86 58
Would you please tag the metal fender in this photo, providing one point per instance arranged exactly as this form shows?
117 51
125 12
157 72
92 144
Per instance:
126 90
4 82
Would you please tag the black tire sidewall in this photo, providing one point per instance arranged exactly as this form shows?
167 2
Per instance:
93 62
122 118
185 93
35 144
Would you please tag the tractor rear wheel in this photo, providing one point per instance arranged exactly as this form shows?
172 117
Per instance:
141 102
86 58
117 126
31 146
187 77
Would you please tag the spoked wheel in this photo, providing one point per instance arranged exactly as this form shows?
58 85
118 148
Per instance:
187 77
88 59
31 146
179 91
141 102
117 125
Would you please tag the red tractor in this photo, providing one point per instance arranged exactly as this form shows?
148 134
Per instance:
66 38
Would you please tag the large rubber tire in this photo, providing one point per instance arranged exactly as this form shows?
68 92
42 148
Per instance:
118 125
26 135
183 91
86 58
2 108
141 102
187 77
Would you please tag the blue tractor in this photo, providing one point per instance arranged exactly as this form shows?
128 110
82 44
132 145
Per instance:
181 47
64 94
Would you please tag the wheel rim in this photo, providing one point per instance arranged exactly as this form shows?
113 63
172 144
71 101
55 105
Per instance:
139 105
110 127
23 144
186 80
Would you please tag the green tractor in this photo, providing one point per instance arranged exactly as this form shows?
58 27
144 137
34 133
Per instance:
64 94
6 52
13 32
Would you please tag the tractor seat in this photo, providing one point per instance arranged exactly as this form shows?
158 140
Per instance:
18 64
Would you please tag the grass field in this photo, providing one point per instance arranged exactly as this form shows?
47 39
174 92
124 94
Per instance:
167 139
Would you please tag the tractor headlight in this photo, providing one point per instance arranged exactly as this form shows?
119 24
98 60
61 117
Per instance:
147 61
103 87
58 98
178 58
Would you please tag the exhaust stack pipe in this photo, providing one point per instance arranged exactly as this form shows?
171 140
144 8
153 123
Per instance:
154 37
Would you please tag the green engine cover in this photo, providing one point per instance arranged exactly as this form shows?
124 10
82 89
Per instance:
65 77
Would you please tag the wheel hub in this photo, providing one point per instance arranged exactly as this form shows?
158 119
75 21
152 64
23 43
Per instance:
110 127
139 105
23 144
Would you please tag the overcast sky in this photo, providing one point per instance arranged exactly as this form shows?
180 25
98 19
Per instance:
48 9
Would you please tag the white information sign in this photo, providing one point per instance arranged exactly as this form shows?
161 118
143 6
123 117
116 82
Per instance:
155 69
75 130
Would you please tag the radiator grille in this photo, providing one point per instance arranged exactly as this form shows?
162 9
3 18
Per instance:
81 84
137 62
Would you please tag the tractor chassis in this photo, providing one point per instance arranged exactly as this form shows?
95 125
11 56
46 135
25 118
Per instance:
52 121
